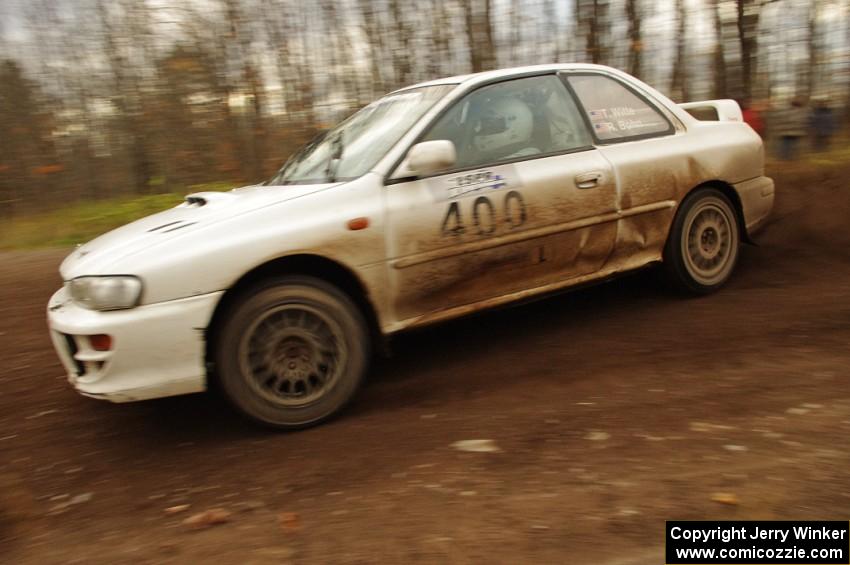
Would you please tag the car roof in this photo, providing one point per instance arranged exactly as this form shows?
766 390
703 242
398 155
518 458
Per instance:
486 76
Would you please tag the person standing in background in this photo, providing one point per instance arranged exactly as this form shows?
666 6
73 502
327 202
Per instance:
752 117
790 125
822 123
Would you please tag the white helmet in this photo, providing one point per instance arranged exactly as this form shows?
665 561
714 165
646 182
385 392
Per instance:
511 123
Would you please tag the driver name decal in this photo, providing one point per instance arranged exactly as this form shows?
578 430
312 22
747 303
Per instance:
473 183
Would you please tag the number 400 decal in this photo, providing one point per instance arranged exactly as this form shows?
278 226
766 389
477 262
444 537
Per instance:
484 217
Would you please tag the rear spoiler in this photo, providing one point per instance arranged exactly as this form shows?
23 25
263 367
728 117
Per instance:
714 110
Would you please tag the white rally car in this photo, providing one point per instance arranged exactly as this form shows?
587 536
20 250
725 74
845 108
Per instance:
435 201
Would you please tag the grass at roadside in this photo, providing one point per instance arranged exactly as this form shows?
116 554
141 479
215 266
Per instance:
83 221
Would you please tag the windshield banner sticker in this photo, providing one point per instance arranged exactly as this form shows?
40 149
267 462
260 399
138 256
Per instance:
473 183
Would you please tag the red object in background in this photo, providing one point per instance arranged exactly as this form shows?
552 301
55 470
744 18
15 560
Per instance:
753 118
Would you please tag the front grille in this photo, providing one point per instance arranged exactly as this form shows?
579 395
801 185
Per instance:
72 349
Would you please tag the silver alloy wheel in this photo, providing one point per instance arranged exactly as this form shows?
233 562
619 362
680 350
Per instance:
292 354
710 241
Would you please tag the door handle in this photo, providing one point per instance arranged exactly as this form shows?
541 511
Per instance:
588 180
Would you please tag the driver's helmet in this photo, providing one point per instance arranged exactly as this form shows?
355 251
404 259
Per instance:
505 127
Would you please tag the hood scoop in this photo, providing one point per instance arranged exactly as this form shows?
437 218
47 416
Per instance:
199 199
196 200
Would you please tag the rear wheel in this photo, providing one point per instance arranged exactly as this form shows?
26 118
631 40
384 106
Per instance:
702 249
293 352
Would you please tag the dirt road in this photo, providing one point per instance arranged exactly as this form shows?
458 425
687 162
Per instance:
613 408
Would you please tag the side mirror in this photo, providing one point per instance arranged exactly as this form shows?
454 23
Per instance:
428 157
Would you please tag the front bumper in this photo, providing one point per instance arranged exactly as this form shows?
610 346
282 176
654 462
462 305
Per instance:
157 349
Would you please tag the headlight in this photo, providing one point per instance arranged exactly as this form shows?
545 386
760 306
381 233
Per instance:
106 293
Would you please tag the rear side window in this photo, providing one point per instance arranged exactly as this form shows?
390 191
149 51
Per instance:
615 112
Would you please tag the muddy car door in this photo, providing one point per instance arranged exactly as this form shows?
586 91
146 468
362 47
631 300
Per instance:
527 202
651 154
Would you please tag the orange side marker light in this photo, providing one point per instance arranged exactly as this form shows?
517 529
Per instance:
358 224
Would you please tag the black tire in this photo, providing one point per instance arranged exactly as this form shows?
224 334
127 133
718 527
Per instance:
292 352
702 248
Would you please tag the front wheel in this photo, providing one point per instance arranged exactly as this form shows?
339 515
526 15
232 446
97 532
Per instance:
293 352
702 248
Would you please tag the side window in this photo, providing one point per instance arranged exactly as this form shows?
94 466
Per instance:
614 111
511 120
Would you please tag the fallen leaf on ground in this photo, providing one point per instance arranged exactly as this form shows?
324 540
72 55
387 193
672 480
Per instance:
708 427
80 498
725 498
476 445
249 505
207 518
289 522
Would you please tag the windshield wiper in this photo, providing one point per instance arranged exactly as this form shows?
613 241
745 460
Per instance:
297 157
337 147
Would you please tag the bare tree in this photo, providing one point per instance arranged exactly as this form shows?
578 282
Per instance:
813 45
634 15
373 32
747 26
479 34
847 42
721 89
678 86
749 15
244 69
121 25
592 17
440 37
282 23
402 31
27 148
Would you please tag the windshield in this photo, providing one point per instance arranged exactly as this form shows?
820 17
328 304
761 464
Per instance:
354 146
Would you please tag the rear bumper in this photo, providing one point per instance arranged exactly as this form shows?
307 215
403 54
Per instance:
757 201
157 350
